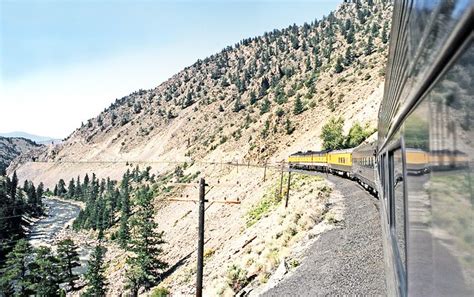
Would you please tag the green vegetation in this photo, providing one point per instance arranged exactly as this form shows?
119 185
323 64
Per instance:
15 203
236 278
68 260
160 292
39 272
298 107
96 281
145 265
334 139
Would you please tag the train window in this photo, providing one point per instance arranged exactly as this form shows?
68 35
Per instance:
397 205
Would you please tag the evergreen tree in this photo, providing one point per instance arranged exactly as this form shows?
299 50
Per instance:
124 232
32 198
14 275
68 260
265 107
384 33
369 49
13 185
338 67
44 273
78 192
146 265
96 281
288 127
298 107
238 106
253 98
350 36
61 190
349 56
71 189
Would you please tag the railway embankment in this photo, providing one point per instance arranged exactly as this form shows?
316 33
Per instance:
347 260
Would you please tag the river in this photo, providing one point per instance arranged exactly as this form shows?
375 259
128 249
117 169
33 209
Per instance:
59 214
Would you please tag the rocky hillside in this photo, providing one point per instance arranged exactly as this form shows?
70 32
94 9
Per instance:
253 103
12 147
259 99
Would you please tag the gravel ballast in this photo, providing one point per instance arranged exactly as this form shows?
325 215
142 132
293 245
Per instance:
345 260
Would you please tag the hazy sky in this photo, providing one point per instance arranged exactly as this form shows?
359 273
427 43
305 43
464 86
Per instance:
62 62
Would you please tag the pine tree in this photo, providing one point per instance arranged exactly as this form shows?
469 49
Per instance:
124 232
288 127
13 184
338 67
384 33
369 49
78 193
44 273
265 107
14 275
68 260
71 189
96 281
146 265
238 106
348 56
61 188
298 107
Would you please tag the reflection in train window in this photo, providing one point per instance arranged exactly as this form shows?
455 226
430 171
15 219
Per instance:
441 185
397 198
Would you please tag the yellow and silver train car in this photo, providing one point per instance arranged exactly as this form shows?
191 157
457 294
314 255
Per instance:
340 162
310 160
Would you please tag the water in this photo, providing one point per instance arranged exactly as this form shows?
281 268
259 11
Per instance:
58 215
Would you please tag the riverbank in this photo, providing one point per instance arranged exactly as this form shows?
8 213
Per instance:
80 204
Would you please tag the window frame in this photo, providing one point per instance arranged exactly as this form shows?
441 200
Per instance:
402 268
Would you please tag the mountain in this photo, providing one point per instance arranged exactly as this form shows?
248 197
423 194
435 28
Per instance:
239 104
35 138
12 147
253 103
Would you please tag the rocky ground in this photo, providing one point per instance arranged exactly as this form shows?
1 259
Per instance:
347 260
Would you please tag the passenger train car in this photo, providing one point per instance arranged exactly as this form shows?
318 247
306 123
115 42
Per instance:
421 164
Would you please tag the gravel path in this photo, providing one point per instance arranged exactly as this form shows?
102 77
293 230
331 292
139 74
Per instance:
345 260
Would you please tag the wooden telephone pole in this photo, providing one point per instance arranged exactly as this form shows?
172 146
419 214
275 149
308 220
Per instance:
200 256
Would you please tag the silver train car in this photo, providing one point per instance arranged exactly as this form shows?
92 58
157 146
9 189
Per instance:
363 165
425 150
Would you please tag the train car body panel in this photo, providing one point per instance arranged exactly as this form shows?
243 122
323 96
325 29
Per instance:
340 161
425 150
364 163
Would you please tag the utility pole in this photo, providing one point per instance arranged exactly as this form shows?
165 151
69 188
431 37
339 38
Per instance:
200 257
288 189
202 200
281 179
265 171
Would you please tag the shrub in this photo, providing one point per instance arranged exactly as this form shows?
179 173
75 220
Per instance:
236 278
160 292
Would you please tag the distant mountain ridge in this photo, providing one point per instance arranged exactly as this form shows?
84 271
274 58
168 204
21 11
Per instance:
35 138
12 147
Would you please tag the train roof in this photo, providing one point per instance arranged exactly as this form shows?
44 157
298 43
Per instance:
350 150
309 153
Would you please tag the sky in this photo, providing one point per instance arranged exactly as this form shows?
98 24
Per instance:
63 61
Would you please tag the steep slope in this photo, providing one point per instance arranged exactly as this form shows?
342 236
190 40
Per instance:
240 105
254 102
11 147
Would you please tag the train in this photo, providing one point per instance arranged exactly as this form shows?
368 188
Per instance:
420 163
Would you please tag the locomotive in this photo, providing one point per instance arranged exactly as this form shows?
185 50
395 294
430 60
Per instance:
420 165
